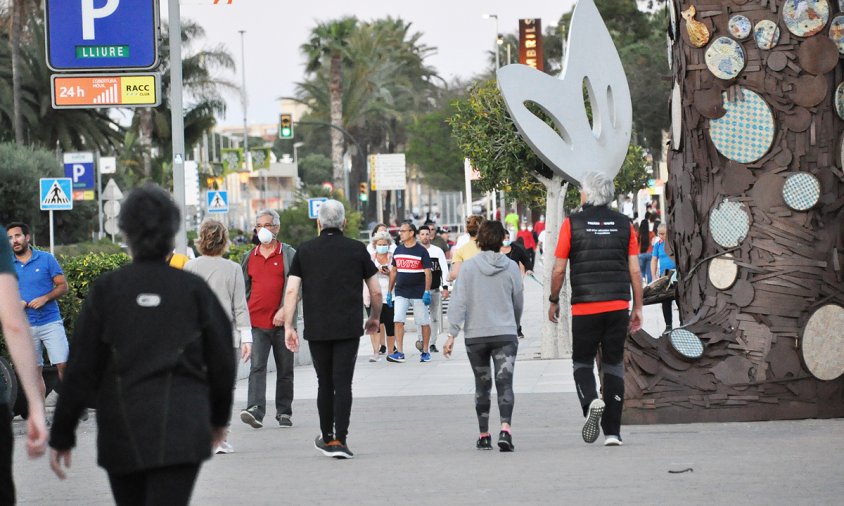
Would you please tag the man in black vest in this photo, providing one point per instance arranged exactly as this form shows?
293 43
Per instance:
602 248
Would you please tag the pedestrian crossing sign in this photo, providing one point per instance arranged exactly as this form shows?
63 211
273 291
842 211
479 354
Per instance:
56 193
218 202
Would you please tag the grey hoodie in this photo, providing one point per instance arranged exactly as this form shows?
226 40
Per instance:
488 298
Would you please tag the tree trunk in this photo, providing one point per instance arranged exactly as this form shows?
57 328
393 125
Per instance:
15 43
145 139
336 97
749 344
556 338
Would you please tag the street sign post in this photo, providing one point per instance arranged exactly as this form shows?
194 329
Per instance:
79 167
54 195
218 201
85 91
109 34
313 207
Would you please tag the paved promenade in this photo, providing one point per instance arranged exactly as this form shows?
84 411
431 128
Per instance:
413 433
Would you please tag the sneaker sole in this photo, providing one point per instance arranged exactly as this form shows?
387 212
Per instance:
247 418
395 360
419 345
333 454
613 443
591 428
505 446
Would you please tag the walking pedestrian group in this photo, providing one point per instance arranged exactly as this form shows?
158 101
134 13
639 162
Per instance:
155 349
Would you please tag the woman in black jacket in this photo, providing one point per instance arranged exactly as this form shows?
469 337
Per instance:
152 346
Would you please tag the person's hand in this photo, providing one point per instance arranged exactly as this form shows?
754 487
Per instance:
278 317
36 432
554 312
426 298
635 320
38 302
528 273
245 351
449 346
218 435
372 325
389 299
445 293
291 339
57 459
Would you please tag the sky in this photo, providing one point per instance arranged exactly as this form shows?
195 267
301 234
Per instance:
276 28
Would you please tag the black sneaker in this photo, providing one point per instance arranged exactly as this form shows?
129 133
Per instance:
382 350
433 349
592 428
333 448
284 421
250 416
505 441
484 443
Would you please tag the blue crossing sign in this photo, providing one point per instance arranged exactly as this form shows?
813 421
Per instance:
102 34
313 207
218 202
55 194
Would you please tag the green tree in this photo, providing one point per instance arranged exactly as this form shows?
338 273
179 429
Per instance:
315 169
432 147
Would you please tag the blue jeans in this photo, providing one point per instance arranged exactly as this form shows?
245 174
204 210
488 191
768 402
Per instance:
645 265
262 341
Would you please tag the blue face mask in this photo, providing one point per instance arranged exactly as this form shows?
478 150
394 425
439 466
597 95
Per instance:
505 243
382 249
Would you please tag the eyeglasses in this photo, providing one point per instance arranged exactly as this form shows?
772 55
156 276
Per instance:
269 225
405 230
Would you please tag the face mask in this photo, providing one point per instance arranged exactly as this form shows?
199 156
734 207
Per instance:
265 236
524 227
505 243
382 249
530 229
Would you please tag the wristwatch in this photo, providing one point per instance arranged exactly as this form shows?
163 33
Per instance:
554 300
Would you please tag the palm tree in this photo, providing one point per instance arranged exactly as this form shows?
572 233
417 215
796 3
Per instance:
329 41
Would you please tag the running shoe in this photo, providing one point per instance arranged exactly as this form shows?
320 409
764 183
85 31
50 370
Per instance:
375 357
419 344
434 349
396 357
425 357
484 443
612 441
284 421
591 428
505 441
249 416
382 350
333 448
224 448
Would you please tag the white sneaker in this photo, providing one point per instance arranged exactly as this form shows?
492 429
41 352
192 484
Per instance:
591 429
612 441
225 447
375 357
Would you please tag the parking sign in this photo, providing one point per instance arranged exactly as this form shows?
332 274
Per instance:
104 34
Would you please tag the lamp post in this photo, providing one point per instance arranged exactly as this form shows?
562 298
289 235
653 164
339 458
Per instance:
296 146
497 38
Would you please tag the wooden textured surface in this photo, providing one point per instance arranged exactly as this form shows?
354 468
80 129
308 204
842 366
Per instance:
787 267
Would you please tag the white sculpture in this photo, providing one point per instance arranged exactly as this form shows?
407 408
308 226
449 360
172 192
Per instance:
575 148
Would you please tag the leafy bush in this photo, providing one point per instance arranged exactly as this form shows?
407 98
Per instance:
83 248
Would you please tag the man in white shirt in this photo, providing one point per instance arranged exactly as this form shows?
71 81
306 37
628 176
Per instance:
439 280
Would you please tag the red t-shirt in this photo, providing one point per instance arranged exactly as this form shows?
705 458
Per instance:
527 238
267 275
538 227
604 306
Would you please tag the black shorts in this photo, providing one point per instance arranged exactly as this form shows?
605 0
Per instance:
386 319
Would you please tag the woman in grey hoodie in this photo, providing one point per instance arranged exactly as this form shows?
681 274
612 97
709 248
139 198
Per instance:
486 304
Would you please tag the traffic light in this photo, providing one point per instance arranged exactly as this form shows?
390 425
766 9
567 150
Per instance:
364 192
285 130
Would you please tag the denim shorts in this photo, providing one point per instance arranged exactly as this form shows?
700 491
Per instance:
53 337
420 310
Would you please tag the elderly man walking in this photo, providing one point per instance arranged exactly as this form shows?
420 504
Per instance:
601 246
329 270
266 269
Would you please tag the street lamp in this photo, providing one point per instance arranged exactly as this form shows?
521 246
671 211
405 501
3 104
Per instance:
498 40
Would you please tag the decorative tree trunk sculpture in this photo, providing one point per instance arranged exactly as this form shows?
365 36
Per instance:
754 218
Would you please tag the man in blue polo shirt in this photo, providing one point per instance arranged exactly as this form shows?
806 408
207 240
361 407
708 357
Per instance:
41 284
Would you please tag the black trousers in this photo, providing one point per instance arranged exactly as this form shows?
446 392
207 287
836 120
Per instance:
172 485
334 362
7 484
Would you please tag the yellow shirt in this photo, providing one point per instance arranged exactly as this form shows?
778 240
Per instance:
466 251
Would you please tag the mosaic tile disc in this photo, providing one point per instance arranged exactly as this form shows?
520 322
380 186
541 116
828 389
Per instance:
767 34
801 191
740 27
836 32
821 345
805 18
685 343
839 100
729 223
746 132
725 58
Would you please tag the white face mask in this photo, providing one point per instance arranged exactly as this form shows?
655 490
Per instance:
382 249
505 243
265 236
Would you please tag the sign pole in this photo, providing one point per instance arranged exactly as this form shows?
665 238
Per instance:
52 252
177 121
467 174
99 193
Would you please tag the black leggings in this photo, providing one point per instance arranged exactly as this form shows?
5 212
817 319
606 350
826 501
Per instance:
7 484
334 362
170 485
503 355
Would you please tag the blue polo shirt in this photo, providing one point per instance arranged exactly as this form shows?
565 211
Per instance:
36 279
665 263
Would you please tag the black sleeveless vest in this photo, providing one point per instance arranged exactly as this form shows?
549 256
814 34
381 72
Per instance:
598 257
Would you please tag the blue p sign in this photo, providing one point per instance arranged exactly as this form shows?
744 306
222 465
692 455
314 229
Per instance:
79 167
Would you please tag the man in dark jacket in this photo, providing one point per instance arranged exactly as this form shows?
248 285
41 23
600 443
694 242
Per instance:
265 270
601 246
329 270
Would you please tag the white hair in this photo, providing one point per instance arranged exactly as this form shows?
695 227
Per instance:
381 236
271 213
598 188
332 214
